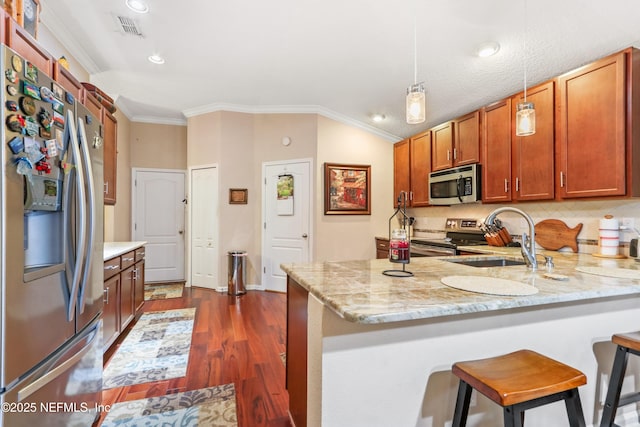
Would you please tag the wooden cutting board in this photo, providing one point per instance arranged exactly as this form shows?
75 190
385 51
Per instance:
554 234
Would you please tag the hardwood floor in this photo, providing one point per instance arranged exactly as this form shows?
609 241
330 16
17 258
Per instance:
235 340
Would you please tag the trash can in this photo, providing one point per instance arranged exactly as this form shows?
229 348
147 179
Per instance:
237 267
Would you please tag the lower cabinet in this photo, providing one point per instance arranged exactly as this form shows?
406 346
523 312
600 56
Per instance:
123 293
382 248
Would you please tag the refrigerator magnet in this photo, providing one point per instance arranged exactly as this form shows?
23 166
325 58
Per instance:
52 147
11 75
69 98
14 123
58 106
47 95
58 91
31 127
45 118
30 90
27 105
11 90
31 72
16 63
16 145
45 133
58 119
11 105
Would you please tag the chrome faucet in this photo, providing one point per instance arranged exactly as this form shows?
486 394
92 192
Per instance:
528 247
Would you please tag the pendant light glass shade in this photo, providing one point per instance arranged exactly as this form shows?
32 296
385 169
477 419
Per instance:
416 109
525 119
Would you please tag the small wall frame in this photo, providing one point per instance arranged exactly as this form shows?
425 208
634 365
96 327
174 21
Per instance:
237 196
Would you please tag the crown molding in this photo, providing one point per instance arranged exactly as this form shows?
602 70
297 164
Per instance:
290 109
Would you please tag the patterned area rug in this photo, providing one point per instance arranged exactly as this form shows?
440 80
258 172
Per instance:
210 407
170 290
157 348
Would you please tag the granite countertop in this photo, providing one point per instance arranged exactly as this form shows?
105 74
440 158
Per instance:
359 292
114 249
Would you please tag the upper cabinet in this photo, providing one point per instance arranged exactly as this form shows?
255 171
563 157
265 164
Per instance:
591 128
26 46
533 155
456 143
110 126
496 152
67 81
412 164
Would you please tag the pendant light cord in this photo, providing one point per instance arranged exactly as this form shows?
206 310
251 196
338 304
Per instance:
524 50
415 52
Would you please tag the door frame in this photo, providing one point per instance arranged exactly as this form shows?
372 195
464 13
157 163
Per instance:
134 171
188 228
312 198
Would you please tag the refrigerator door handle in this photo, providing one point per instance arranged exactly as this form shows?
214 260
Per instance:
91 214
73 144
51 374
66 231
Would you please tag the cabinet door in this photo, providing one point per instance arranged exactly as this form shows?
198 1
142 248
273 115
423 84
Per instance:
26 46
533 156
466 131
110 126
442 146
420 169
126 297
401 172
138 286
67 81
496 152
591 129
110 321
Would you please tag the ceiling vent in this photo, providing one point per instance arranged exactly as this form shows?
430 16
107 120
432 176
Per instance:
128 26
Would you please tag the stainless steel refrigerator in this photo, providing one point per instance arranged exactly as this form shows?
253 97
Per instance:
51 236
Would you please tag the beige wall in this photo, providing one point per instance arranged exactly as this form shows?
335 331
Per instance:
240 143
158 146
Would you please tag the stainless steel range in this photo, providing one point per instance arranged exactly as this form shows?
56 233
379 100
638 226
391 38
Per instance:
459 232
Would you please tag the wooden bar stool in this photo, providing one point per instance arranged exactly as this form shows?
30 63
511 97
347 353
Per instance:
627 343
519 381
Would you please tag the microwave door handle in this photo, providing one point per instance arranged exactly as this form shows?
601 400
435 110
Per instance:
459 187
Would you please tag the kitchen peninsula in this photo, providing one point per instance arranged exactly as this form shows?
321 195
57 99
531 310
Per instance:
369 350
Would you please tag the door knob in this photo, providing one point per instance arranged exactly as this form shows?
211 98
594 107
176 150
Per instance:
304 236
180 231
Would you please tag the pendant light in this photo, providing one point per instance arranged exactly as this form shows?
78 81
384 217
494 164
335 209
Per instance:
525 111
416 110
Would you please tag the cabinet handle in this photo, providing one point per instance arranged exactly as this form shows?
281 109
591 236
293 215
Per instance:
517 184
455 153
106 292
128 259
561 179
448 155
140 254
506 185
111 267
135 274
410 195
106 187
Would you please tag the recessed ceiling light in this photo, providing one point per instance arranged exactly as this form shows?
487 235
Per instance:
156 59
488 49
137 6
378 117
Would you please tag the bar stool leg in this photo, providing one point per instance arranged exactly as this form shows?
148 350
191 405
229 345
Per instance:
574 409
462 405
615 386
513 417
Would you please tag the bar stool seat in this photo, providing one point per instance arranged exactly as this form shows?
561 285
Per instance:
519 381
628 343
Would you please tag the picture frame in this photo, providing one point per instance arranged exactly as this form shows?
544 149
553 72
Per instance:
347 189
238 196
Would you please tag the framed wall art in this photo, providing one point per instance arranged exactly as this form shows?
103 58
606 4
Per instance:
347 189
237 196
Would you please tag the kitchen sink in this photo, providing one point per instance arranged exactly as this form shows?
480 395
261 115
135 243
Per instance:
486 262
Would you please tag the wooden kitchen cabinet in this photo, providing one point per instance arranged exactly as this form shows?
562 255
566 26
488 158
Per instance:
123 293
456 143
67 81
110 131
382 248
533 155
442 146
412 165
591 129
26 46
297 351
496 152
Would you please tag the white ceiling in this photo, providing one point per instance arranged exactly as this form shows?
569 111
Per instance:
346 59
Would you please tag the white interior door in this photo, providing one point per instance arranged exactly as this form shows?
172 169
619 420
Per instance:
287 224
158 219
204 227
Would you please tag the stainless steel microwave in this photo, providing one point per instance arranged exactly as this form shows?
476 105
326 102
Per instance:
454 186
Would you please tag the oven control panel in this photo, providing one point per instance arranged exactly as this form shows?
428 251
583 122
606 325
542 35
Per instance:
462 224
